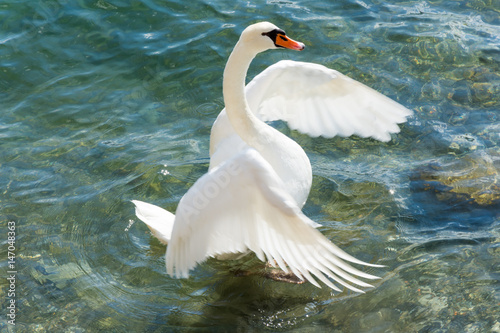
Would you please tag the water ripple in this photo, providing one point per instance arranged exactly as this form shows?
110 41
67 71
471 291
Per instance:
108 101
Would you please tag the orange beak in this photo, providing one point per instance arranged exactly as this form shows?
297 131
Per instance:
284 41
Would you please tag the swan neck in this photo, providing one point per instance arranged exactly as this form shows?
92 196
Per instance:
237 109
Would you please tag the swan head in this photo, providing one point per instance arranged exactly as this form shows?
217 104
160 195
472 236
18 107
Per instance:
264 36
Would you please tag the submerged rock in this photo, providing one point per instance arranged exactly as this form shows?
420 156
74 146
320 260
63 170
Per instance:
472 179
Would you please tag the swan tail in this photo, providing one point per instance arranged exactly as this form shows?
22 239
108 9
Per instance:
158 220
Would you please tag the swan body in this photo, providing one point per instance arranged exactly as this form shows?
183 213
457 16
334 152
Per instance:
259 179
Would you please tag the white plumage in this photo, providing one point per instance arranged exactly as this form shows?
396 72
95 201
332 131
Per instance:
259 179
320 101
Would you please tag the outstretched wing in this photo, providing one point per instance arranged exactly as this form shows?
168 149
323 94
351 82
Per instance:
241 205
319 101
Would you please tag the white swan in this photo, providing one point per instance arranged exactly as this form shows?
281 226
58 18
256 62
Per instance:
259 179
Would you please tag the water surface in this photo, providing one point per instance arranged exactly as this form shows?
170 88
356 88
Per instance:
108 101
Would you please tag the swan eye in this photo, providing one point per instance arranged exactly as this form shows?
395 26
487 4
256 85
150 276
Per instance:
273 34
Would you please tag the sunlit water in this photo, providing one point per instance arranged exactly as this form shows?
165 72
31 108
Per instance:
107 101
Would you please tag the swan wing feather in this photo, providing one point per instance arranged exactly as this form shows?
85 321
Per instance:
241 205
319 101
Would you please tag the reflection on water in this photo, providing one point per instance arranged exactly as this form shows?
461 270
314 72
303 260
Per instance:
107 101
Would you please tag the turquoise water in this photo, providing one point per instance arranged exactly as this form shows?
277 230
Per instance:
107 101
